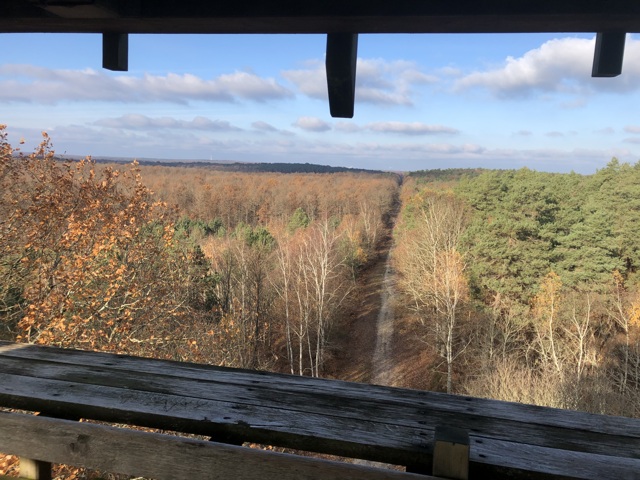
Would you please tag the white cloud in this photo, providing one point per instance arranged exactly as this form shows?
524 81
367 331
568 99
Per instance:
312 124
405 155
574 103
450 71
378 81
134 121
632 129
559 65
33 84
311 81
413 128
347 127
264 126
635 140
524 133
606 131
396 128
389 83
554 134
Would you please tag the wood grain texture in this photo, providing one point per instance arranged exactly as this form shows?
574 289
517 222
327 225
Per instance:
354 420
34 469
451 453
166 457
519 461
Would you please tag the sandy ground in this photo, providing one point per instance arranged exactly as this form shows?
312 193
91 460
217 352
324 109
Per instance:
377 340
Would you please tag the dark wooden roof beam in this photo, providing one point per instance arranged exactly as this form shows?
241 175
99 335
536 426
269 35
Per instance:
342 54
319 16
609 53
78 9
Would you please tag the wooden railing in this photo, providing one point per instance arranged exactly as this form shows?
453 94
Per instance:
451 436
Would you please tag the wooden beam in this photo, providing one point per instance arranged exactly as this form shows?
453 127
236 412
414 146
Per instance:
316 415
342 54
164 457
609 53
78 9
115 51
322 16
451 453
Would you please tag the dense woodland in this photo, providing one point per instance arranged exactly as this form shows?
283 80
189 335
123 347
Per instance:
521 285
227 166
247 270
531 290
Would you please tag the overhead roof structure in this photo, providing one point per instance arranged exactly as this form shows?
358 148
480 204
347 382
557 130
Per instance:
342 20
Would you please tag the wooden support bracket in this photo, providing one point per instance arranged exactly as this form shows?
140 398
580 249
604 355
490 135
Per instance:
34 469
342 53
451 453
609 53
115 51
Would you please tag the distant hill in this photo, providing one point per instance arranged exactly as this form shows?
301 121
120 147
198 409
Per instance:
445 175
224 165
290 168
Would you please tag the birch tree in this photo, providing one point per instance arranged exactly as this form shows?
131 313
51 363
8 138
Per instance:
433 269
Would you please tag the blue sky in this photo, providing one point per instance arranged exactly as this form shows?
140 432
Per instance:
422 101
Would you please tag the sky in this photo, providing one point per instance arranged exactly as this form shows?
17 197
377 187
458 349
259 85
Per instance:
422 101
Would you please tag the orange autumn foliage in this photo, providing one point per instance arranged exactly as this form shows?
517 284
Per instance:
90 259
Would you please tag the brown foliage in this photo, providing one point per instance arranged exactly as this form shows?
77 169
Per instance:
90 258
267 198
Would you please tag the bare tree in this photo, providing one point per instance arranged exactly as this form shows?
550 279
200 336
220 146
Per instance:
432 271
313 282
545 323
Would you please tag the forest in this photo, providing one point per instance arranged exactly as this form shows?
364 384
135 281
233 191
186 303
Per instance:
531 290
518 285
228 166
239 269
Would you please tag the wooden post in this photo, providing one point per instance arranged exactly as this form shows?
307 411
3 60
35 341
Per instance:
608 55
342 54
34 469
37 469
451 453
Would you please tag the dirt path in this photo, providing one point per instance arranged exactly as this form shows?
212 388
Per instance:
363 345
368 350
378 340
382 364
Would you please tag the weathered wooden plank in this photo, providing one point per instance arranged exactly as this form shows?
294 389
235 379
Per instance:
184 416
233 420
360 415
321 16
284 383
528 424
165 457
517 460
348 432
